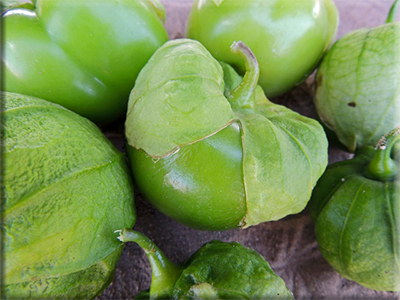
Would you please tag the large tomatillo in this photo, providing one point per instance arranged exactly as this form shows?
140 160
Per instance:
208 149
84 55
356 209
357 94
288 37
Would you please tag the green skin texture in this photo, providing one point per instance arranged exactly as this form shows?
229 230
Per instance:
288 37
209 150
85 56
358 86
356 209
218 270
66 190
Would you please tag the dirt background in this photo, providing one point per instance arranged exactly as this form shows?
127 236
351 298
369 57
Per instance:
289 245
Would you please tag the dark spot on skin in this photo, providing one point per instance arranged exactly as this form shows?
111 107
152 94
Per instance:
319 80
352 104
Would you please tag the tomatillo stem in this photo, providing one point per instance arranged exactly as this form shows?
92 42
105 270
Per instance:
382 166
392 11
241 96
164 272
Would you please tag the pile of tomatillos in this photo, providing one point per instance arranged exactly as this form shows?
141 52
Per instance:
194 108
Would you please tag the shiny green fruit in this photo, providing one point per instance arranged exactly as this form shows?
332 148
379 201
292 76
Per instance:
66 189
84 55
287 37
201 185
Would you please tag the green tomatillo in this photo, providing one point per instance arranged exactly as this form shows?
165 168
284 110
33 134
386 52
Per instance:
288 37
84 55
218 270
208 149
66 189
357 94
356 209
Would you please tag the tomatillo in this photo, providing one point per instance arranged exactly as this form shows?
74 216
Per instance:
288 37
217 270
66 189
84 55
356 209
208 149
357 94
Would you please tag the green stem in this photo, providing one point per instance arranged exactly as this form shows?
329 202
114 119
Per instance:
241 96
164 272
382 166
392 12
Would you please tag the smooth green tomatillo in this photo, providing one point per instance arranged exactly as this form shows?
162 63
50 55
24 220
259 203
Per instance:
288 37
66 190
356 209
208 149
84 55
358 85
218 270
